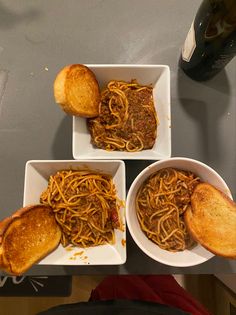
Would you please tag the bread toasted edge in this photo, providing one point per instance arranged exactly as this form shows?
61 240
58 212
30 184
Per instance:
60 92
188 218
5 265
59 85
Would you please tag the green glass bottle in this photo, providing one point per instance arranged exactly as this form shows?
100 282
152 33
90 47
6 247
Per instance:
211 40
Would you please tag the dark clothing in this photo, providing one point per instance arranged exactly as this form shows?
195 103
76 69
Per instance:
118 307
154 294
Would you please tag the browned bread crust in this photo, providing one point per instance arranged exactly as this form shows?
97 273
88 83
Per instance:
77 91
26 237
211 220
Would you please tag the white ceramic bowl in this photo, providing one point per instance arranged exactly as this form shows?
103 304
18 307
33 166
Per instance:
36 180
196 255
159 77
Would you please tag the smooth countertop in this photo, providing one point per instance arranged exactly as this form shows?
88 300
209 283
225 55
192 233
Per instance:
38 38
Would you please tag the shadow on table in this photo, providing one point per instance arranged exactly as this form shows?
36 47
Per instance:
139 263
133 168
206 103
9 18
62 144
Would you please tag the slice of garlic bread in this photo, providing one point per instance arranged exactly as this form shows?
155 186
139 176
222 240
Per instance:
211 220
26 237
77 91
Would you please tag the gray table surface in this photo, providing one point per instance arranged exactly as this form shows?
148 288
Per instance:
38 38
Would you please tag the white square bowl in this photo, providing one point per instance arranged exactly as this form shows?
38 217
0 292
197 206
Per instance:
37 173
159 77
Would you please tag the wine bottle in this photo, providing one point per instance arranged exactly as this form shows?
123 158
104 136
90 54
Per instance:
211 40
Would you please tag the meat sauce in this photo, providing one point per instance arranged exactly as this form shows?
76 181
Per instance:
141 123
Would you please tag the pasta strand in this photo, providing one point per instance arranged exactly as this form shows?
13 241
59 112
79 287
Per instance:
85 206
160 203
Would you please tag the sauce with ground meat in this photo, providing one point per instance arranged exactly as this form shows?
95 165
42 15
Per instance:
139 127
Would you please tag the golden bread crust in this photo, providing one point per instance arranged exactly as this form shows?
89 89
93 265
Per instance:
26 237
77 91
211 220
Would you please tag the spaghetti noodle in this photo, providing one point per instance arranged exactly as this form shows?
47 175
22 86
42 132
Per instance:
85 206
160 203
127 118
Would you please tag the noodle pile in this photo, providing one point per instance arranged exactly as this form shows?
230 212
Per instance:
127 118
85 206
160 204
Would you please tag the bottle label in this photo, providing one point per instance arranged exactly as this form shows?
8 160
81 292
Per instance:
189 44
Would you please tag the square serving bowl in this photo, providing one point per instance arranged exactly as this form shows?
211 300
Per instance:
37 173
159 77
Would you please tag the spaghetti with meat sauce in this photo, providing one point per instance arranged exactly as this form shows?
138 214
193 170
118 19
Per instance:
127 118
85 206
160 204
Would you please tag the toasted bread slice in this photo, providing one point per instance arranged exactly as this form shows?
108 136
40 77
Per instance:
76 89
26 237
211 220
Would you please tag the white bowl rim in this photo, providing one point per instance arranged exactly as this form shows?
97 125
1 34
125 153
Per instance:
127 65
209 255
